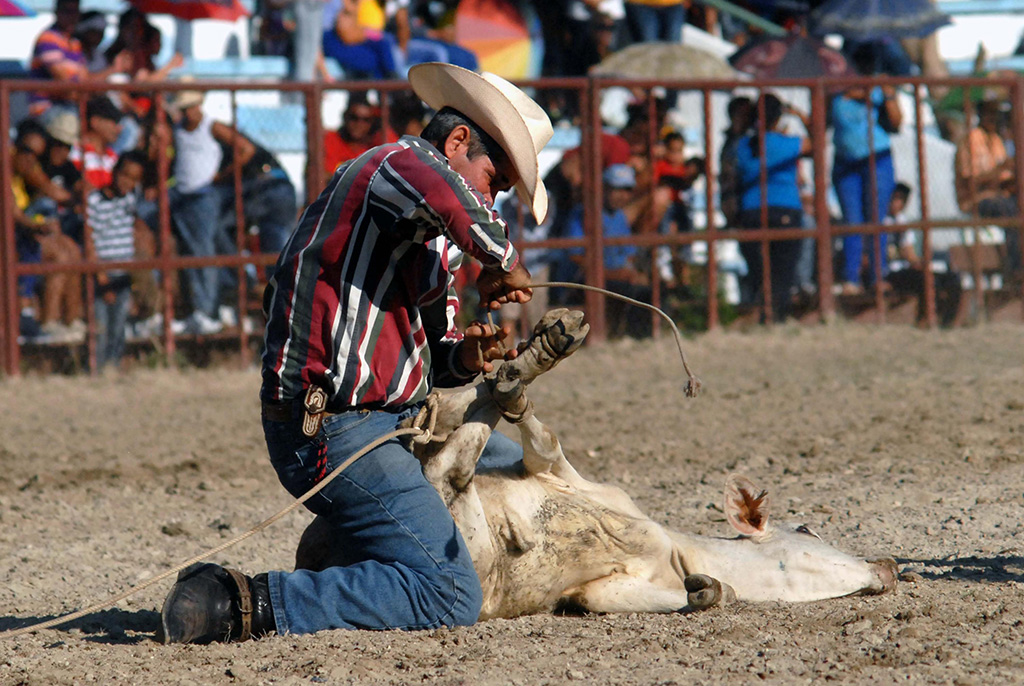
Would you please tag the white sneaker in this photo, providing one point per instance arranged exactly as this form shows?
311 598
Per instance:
179 326
59 333
203 325
227 316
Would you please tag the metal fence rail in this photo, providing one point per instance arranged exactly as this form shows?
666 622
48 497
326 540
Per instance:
587 96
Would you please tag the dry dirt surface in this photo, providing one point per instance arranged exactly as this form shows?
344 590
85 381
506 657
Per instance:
888 441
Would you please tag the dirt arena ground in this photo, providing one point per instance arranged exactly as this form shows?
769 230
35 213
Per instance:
885 440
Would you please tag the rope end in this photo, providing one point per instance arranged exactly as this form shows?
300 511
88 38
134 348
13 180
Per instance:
693 386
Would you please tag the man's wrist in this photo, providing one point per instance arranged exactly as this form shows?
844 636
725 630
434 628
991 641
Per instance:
458 368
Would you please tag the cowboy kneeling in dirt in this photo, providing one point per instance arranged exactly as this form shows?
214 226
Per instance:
360 329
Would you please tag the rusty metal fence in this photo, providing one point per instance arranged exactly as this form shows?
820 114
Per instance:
291 117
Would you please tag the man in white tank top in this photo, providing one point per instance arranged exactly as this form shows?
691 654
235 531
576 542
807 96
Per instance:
195 204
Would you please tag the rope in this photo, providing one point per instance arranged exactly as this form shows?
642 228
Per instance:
427 416
415 431
693 384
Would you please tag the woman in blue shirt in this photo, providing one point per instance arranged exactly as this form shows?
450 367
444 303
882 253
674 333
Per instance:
852 118
781 196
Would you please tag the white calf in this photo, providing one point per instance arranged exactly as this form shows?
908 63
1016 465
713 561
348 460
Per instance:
547 538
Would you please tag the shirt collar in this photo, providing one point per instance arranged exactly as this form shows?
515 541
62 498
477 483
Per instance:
426 145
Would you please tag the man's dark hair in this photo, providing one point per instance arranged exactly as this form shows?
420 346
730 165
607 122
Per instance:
480 143
697 162
902 189
738 104
26 128
136 156
772 110
101 106
672 136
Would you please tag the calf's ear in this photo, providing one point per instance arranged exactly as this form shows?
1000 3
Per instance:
746 507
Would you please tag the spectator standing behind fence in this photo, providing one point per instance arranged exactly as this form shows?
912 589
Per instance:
57 56
656 20
985 178
741 117
855 112
89 31
360 130
674 176
111 217
781 198
907 275
96 157
195 203
268 197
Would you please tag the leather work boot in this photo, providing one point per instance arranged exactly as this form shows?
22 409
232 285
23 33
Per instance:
212 603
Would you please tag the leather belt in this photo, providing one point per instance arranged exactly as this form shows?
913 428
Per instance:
277 411
314 410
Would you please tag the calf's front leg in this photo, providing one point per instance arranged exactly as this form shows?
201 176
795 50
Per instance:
625 593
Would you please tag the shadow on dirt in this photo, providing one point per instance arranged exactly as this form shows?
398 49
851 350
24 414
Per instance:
111 627
995 569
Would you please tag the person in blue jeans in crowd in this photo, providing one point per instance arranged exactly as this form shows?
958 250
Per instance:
780 198
855 112
269 202
195 203
360 330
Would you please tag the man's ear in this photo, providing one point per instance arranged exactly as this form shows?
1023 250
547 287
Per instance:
457 141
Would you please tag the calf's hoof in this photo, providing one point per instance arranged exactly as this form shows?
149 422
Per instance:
557 335
703 592
211 603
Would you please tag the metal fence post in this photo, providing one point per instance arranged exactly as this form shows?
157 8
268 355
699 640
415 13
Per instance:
8 256
823 228
1017 92
590 140
314 141
710 229
926 237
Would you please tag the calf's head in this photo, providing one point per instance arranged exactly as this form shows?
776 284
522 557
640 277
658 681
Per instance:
786 562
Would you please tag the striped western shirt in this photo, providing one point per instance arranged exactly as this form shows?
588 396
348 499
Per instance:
362 301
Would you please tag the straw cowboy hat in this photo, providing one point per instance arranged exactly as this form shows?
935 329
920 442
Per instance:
507 114
185 99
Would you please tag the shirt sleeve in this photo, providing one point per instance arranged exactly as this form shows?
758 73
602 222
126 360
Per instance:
444 201
448 373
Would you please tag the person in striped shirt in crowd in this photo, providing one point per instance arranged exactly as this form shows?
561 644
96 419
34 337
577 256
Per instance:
57 55
361 318
111 217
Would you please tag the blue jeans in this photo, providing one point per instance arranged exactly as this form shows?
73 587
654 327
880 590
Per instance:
111 319
852 181
407 566
196 219
648 24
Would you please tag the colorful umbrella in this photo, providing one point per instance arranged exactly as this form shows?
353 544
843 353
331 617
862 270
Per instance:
496 31
226 10
863 20
13 8
792 57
